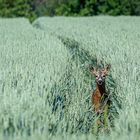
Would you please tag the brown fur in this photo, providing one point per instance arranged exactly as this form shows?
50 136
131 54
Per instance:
97 97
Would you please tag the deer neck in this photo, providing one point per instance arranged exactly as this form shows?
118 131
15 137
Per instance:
101 88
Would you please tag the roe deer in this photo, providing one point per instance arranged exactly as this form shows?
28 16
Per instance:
100 97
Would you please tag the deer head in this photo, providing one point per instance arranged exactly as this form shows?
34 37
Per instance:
100 73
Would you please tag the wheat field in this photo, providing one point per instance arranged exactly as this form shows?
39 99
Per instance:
45 83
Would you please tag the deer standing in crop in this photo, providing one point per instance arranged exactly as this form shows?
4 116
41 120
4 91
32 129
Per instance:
100 97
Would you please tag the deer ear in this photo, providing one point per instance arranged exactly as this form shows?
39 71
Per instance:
107 68
92 69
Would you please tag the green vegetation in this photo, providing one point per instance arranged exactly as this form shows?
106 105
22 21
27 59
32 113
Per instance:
36 8
97 7
17 8
45 83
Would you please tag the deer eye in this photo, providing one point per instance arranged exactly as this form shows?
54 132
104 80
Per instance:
103 76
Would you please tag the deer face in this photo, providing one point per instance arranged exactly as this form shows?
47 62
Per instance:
100 74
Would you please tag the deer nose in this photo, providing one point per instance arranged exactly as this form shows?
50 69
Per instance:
100 81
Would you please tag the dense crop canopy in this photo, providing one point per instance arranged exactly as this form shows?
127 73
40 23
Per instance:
45 83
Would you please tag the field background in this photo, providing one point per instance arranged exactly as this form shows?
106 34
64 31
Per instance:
45 83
